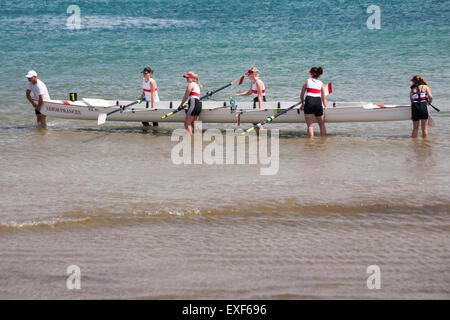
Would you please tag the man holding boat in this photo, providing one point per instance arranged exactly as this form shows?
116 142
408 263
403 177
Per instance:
40 93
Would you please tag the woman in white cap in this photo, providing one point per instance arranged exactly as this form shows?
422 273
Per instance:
192 95
40 93
257 88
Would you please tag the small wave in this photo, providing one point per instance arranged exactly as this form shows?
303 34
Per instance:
100 218
94 22
58 222
110 23
288 208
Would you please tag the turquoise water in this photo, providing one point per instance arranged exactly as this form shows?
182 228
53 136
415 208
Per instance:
219 40
110 200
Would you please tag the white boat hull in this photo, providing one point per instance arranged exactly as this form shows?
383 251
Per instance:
220 112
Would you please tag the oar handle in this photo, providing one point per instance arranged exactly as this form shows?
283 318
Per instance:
175 111
124 107
435 108
209 94
271 118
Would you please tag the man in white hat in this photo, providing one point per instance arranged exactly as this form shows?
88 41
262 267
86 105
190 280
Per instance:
40 93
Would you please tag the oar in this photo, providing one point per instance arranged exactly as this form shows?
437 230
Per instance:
102 116
271 118
435 108
234 83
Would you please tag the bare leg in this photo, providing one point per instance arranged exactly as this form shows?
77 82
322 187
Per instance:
415 129
321 122
310 125
41 121
259 127
424 126
196 123
188 123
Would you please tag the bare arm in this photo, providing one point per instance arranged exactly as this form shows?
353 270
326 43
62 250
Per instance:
245 93
40 102
430 97
152 88
302 96
186 95
30 99
324 97
259 88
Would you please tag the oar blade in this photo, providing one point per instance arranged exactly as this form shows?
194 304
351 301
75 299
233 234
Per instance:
237 82
330 89
101 119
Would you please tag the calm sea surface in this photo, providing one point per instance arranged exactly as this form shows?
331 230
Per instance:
110 200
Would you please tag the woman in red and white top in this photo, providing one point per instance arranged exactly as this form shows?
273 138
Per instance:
257 88
192 96
149 89
312 105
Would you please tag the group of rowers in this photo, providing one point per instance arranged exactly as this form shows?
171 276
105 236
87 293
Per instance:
312 97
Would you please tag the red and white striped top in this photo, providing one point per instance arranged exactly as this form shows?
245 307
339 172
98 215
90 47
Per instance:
255 90
148 91
195 93
313 87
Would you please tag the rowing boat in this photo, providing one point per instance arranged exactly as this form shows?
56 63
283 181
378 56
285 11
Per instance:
222 111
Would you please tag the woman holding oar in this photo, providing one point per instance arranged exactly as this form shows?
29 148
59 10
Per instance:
257 88
195 106
149 89
420 97
312 105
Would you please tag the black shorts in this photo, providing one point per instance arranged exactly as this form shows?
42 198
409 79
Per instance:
195 107
419 111
255 100
313 105
37 112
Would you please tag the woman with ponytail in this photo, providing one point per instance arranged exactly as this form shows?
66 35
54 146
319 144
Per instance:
312 105
192 94
420 97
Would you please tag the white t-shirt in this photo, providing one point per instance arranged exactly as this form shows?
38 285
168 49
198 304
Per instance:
38 89
147 90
